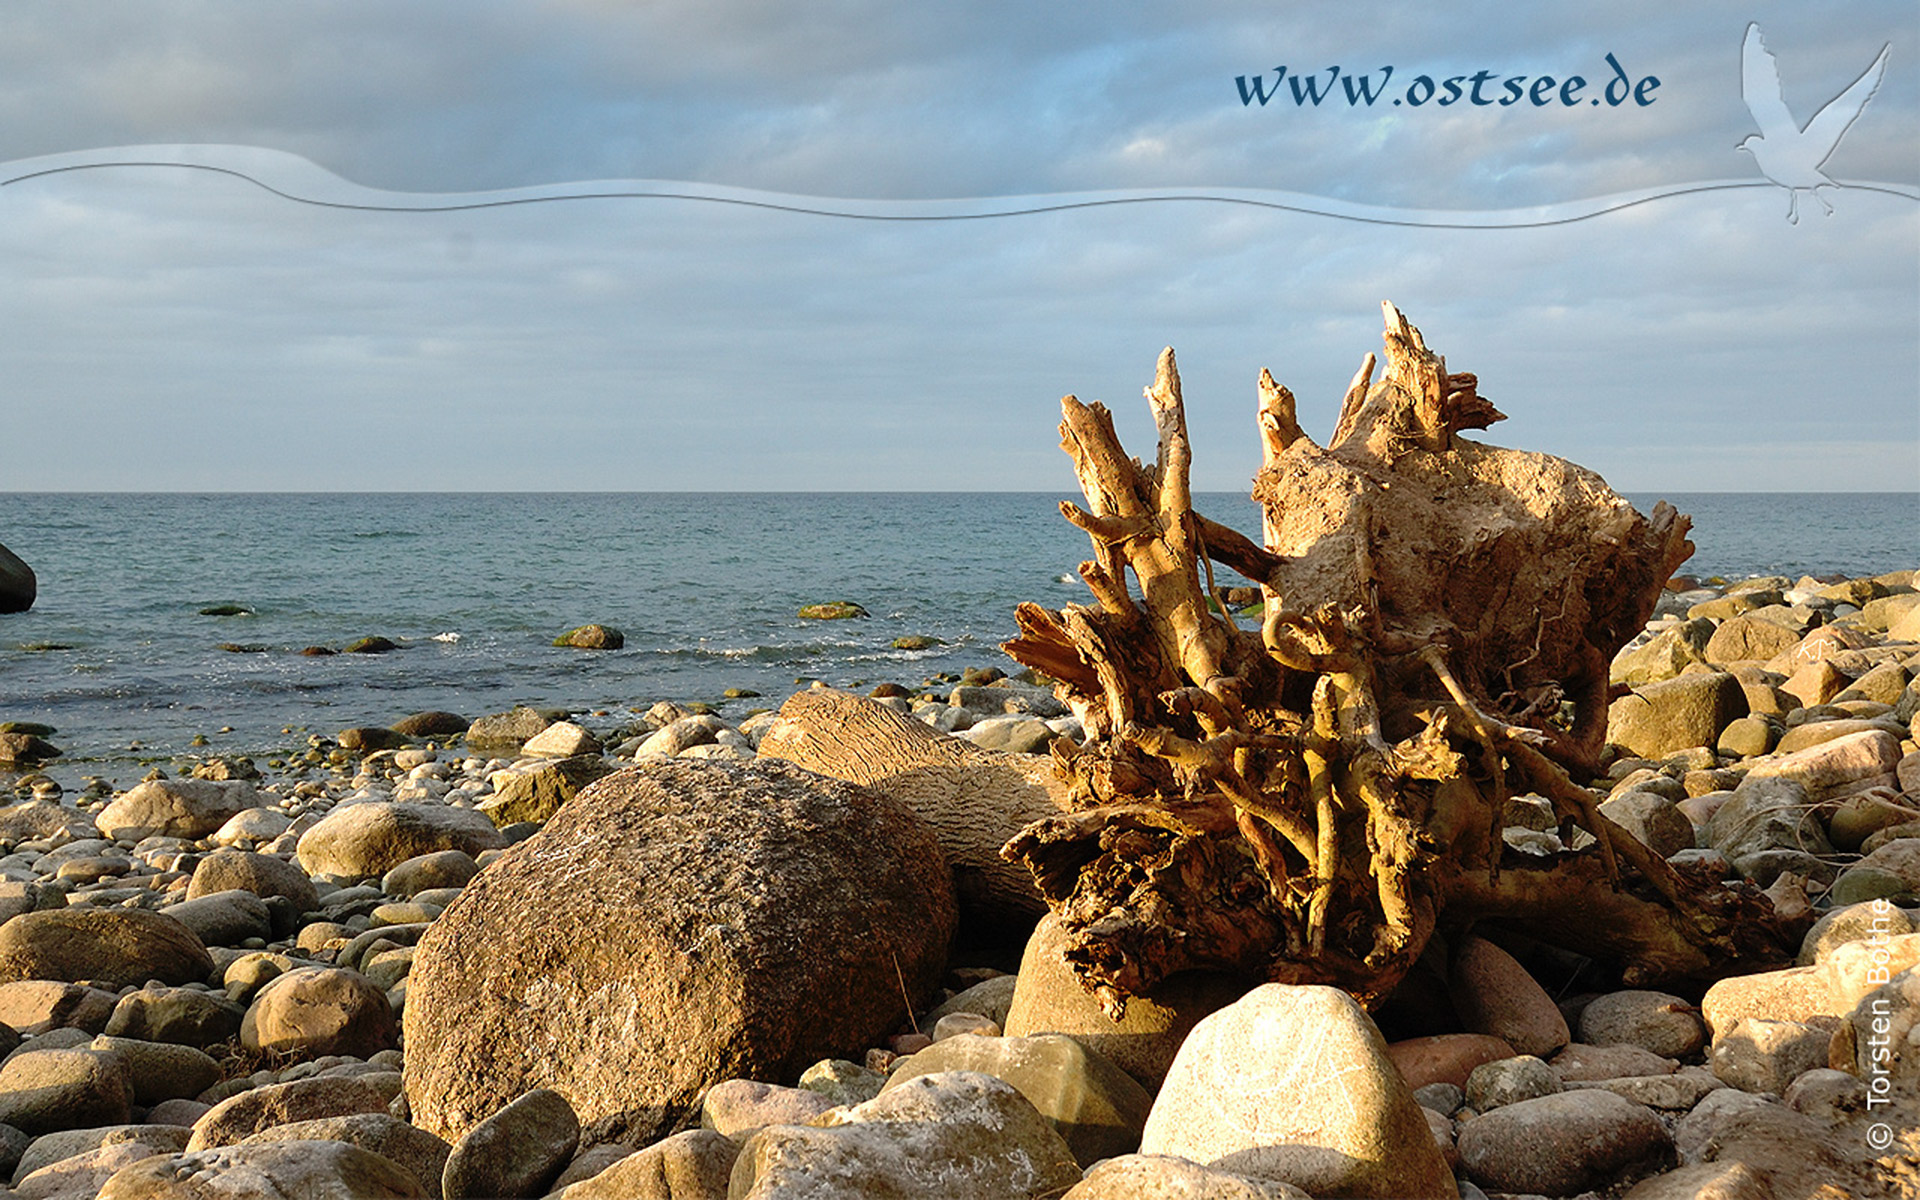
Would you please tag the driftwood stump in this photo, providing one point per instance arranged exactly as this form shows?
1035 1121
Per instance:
1307 798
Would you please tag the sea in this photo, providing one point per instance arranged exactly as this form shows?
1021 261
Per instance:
118 657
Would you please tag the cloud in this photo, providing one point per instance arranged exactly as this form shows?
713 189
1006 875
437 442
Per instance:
176 332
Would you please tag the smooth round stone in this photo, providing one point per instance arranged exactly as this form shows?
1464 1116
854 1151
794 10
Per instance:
955 1024
1562 1144
1655 1021
1509 1081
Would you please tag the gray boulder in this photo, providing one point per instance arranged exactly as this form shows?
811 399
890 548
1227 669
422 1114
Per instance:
677 924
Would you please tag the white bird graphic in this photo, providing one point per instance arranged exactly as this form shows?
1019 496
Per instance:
1786 153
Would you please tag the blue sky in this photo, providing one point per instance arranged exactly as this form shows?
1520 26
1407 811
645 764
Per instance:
173 330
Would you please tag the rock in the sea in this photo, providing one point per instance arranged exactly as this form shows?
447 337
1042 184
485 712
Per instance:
322 1170
515 1152
18 586
261 874
675 925
959 1136
374 644
42 1091
432 723
1098 1108
592 637
1164 1177
1494 995
1674 714
242 1116
182 808
116 946
1048 998
310 1012
365 739
365 841
1562 1144
24 749
832 610
1294 1083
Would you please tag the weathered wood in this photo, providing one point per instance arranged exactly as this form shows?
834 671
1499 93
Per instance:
1311 800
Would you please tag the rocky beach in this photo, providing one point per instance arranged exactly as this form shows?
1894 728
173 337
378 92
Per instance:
603 954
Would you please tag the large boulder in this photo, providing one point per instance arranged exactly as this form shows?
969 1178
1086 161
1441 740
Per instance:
182 808
18 587
958 1136
974 800
117 946
366 840
1049 998
677 924
1294 1083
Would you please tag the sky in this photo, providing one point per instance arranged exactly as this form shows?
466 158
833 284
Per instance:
170 329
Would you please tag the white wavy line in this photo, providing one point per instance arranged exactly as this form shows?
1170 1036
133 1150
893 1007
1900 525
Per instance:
293 177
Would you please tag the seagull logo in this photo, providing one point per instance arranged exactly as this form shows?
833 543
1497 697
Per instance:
1786 153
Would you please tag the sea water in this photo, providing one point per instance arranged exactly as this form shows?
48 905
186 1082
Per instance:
473 588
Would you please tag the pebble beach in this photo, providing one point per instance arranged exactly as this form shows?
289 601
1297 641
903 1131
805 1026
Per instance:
400 960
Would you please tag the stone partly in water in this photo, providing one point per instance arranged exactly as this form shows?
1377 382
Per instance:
592 637
957 1135
432 723
370 645
1295 1083
365 739
675 925
836 610
24 749
18 586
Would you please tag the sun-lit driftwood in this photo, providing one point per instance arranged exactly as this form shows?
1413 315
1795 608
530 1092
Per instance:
1308 797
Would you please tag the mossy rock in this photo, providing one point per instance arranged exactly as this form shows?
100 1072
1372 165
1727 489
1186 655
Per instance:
242 648
915 641
592 637
837 610
739 693
31 728
226 610
370 645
